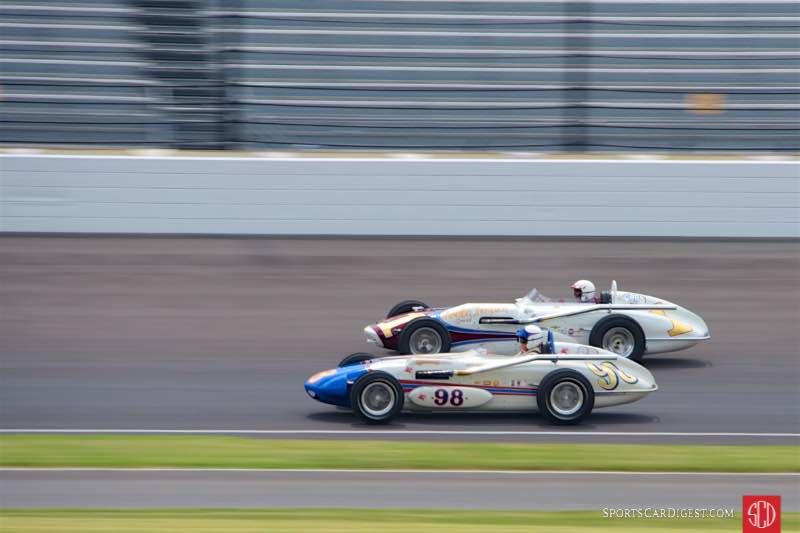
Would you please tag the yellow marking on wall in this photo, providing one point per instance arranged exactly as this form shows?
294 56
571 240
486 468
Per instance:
678 327
705 103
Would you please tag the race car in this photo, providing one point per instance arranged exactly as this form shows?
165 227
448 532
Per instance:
564 384
626 323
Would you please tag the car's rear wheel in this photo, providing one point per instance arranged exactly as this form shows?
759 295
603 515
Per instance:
353 358
565 397
424 337
406 306
377 398
620 335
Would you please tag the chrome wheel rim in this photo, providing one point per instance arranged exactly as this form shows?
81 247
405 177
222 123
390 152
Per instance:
620 341
566 398
425 341
377 399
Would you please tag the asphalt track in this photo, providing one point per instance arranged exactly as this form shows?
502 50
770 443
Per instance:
419 490
219 333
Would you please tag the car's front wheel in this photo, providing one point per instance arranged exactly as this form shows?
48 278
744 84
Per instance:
565 397
377 398
424 337
406 306
353 358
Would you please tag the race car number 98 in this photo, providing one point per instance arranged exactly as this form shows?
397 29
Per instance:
456 397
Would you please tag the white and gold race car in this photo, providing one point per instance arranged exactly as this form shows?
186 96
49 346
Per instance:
626 323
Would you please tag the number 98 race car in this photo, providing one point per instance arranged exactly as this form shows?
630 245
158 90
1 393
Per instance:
565 383
625 323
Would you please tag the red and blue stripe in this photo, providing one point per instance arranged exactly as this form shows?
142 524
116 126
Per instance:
411 384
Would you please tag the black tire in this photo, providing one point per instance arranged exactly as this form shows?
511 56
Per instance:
406 306
624 324
405 341
544 400
357 400
353 358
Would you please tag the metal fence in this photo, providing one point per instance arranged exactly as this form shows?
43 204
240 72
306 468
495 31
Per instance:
402 74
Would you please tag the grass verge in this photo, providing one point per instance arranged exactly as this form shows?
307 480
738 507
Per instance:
353 521
235 452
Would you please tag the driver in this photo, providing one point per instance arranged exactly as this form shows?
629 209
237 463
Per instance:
583 289
530 340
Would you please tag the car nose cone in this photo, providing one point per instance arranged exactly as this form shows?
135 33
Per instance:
372 337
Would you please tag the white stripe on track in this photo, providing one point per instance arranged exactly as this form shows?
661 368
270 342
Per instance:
785 160
399 432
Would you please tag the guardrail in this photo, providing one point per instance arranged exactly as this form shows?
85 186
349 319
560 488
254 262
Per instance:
391 196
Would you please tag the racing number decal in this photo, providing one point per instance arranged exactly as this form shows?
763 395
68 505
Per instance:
610 375
440 397
456 397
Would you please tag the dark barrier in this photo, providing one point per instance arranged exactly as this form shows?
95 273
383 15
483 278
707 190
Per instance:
409 75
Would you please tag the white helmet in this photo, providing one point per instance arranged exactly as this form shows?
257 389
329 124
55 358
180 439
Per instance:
531 335
583 289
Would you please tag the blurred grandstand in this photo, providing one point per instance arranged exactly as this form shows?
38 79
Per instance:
402 74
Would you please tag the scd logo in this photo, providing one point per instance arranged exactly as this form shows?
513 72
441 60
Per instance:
761 514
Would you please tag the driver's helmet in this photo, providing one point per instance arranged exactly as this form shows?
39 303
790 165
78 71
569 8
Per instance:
583 289
530 335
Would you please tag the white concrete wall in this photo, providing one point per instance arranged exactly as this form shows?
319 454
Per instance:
206 195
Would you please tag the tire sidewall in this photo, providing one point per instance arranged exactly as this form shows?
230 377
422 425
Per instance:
354 358
359 386
619 321
546 387
406 306
404 343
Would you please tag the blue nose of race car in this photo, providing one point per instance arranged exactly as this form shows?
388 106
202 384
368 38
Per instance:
333 386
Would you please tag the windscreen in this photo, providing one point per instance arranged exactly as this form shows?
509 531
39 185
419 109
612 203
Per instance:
535 296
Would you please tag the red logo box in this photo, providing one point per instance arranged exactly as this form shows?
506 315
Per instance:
761 514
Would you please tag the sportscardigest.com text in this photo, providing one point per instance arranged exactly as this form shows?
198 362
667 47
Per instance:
666 512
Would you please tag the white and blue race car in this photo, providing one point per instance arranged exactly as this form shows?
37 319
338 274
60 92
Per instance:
564 384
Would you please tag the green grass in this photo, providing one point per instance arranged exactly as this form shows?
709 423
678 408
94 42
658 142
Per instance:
352 521
235 452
